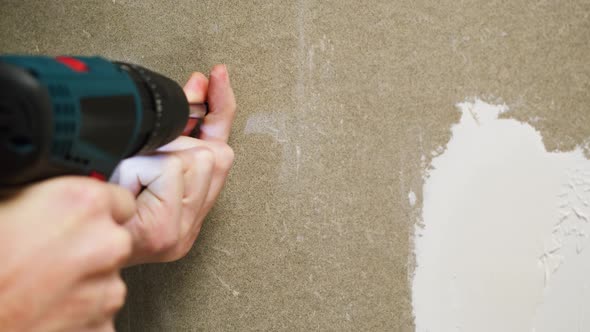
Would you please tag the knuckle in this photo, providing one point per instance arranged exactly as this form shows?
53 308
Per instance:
180 251
226 159
205 156
169 242
161 243
117 292
184 248
173 163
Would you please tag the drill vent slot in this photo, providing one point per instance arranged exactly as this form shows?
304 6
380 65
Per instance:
66 128
61 147
76 159
65 124
64 110
59 90
64 131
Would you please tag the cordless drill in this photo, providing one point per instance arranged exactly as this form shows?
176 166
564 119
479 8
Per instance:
83 115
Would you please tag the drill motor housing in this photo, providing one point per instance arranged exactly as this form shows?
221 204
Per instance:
81 116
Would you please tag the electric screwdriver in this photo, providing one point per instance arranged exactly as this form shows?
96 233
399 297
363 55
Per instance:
83 115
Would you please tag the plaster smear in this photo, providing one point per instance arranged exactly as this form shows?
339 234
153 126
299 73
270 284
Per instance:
503 245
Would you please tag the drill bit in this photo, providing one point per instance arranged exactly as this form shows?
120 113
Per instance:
197 113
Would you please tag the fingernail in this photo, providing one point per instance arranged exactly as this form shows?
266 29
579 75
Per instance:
192 97
220 71
193 82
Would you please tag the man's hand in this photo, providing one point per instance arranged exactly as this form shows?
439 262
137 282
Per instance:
177 186
62 246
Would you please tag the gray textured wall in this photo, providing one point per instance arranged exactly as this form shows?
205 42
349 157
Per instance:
338 101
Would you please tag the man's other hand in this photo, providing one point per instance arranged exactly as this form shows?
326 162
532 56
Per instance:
62 245
177 186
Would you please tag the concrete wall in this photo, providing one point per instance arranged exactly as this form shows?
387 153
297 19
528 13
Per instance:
340 105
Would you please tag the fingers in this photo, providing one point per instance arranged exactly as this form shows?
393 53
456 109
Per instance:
196 88
224 157
156 226
101 246
109 292
88 196
198 173
176 186
222 105
122 203
91 304
161 175
89 211
96 301
69 250
223 160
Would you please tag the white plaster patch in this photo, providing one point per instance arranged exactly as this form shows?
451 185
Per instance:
505 231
